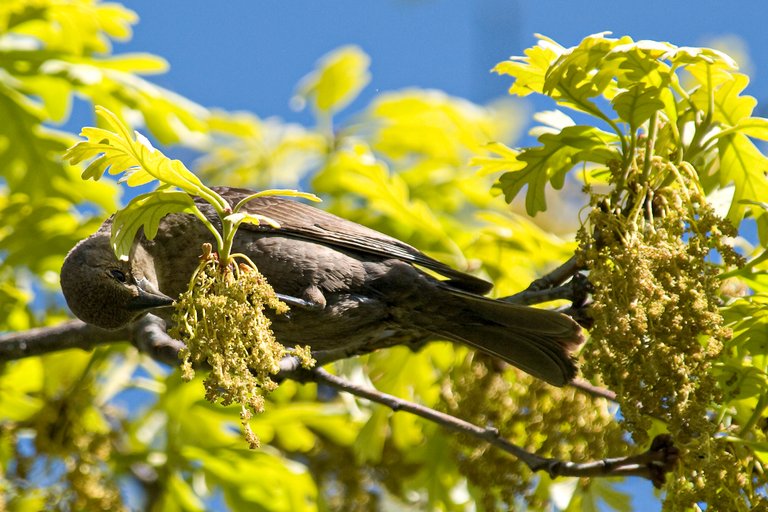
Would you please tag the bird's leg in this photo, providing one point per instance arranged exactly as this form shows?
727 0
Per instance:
565 282
576 290
557 277
580 315
299 303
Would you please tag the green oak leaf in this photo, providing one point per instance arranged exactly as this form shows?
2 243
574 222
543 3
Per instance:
550 162
530 71
146 211
118 152
637 104
338 79
742 164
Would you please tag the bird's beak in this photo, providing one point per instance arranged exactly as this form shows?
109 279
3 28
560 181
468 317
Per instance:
149 297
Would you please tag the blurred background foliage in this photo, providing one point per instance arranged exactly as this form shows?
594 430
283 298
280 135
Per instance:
114 430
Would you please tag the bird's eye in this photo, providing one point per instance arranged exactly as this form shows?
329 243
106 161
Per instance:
117 274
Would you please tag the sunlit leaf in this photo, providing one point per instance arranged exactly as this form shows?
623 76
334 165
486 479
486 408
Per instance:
505 159
142 63
370 441
356 169
571 81
573 88
530 71
755 127
686 55
146 211
730 106
640 64
31 501
637 104
431 125
251 218
246 151
553 121
118 152
550 162
741 382
744 166
184 498
257 480
21 385
338 79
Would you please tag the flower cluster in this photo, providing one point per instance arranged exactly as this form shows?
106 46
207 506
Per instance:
658 330
78 444
222 320
564 423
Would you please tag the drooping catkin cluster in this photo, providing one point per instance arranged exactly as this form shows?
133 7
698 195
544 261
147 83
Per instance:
564 423
657 327
223 323
84 455
69 468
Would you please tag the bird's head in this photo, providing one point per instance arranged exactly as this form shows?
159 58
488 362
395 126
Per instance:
106 292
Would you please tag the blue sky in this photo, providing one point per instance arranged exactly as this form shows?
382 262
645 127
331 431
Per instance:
249 55
246 55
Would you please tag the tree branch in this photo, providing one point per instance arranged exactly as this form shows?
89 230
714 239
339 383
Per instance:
565 282
652 464
42 340
149 336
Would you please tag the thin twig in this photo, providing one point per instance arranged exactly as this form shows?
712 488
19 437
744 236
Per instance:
592 390
652 464
147 334
576 290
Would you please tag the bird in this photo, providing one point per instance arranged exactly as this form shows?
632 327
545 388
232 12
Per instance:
348 287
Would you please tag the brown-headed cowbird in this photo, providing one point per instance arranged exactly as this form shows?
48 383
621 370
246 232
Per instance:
348 287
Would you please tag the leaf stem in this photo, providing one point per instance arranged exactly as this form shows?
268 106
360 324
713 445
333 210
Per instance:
757 413
207 223
694 148
650 143
626 163
228 230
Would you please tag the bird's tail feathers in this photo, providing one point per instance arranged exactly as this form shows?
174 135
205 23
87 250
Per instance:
537 341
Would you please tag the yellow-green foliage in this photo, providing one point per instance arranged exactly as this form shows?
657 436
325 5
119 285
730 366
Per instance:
401 166
678 135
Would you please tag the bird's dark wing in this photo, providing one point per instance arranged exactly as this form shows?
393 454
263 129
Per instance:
300 220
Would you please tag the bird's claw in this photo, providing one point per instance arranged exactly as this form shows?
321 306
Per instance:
299 303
